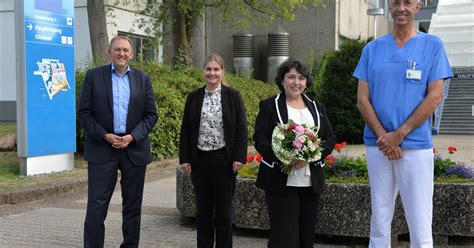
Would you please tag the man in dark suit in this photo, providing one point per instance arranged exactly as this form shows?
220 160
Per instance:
118 111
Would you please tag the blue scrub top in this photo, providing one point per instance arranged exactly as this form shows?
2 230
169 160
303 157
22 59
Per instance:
394 97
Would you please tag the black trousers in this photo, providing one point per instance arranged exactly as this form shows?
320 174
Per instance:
214 183
101 183
292 217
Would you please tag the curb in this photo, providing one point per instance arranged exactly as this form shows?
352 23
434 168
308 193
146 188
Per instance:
75 184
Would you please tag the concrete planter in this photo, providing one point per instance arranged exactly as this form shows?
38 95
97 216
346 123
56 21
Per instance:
345 208
453 209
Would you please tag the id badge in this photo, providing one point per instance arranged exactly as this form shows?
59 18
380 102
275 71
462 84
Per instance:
414 74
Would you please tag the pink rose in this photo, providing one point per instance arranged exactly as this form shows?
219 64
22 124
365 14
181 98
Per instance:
297 144
299 129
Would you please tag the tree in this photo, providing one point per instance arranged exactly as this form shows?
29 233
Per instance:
97 30
186 13
335 86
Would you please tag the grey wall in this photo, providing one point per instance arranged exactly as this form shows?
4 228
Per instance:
8 62
313 30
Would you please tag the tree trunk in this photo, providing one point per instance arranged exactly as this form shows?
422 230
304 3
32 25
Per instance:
97 30
183 36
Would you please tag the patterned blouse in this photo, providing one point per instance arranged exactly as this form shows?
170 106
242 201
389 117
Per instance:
211 128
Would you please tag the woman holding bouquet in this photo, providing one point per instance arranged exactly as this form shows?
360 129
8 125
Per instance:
213 147
292 198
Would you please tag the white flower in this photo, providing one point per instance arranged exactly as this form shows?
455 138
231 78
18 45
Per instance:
279 136
281 139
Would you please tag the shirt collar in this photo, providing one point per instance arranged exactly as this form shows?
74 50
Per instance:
113 70
217 90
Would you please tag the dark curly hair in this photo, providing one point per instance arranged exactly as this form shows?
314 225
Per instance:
286 66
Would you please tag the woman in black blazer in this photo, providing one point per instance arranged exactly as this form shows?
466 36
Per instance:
213 147
293 199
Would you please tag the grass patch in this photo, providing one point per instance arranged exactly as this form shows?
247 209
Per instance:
10 177
453 179
347 180
7 128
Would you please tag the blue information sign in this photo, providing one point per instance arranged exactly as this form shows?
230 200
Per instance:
50 77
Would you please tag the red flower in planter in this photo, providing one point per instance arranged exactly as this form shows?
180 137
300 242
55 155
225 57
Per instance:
339 147
250 158
329 159
253 159
452 149
258 158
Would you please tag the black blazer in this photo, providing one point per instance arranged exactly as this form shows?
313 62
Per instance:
272 179
96 115
235 125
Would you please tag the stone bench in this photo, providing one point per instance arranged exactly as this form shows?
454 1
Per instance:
345 208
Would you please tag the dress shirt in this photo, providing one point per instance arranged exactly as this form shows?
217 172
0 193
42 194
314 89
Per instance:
301 177
211 127
121 97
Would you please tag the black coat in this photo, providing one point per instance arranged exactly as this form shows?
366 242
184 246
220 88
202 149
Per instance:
235 125
96 115
272 179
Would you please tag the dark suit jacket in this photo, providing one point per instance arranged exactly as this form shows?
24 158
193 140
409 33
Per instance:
235 125
272 179
95 114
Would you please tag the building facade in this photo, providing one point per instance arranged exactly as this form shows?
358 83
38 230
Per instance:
121 19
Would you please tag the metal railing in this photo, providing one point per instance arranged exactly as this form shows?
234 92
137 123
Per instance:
439 110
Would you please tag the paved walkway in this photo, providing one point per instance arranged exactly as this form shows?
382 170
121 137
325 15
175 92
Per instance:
58 221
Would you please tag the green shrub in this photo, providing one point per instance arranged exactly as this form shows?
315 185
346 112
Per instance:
441 166
337 89
249 172
80 132
170 88
345 166
453 179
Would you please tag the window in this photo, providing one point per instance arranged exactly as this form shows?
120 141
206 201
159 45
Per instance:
429 3
142 45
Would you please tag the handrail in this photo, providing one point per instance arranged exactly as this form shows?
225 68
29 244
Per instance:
439 110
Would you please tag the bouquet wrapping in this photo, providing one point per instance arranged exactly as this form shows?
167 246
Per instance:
294 141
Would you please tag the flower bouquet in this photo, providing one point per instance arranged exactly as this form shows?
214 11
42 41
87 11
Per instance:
294 141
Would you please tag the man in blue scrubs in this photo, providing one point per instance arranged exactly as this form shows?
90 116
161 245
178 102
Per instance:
400 85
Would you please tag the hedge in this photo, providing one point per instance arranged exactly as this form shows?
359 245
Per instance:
336 88
170 88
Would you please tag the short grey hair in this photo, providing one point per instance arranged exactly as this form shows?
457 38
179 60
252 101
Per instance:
122 37
418 1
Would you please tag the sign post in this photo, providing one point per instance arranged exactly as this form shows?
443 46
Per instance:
46 122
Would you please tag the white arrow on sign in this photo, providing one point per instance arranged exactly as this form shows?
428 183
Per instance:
29 26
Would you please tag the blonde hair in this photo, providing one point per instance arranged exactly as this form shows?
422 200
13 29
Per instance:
219 60
216 58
